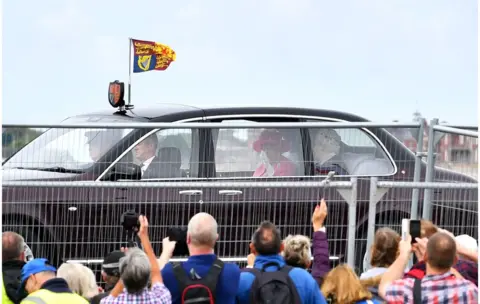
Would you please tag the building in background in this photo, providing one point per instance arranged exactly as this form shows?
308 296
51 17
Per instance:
454 152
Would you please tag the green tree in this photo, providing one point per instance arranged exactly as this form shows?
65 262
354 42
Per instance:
13 139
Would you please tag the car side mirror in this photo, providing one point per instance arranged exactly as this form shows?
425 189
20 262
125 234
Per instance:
129 171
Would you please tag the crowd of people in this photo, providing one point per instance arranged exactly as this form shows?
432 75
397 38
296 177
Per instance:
278 271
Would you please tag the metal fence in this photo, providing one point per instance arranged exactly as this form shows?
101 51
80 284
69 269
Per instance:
76 214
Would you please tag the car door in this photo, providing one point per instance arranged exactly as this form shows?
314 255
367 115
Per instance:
176 160
238 155
353 152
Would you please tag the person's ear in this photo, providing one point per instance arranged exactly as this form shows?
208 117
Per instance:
104 276
282 247
22 256
217 238
252 249
455 260
189 239
309 263
33 280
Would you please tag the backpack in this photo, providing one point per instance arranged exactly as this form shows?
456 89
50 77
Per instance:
417 291
274 287
198 291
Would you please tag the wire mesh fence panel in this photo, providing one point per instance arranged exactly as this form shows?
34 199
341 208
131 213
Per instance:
456 210
75 223
84 222
458 153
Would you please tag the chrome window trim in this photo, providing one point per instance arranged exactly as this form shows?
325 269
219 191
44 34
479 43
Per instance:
375 138
138 141
236 116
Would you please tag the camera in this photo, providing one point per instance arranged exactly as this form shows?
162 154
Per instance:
179 235
129 221
131 225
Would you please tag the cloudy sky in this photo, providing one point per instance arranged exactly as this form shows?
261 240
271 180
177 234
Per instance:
380 59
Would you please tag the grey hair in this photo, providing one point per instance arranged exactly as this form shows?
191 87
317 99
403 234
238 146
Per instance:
202 229
135 270
13 245
297 250
80 279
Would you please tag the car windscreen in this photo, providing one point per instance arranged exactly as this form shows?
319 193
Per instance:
69 149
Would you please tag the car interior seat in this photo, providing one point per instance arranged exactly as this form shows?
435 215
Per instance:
373 167
171 160
366 164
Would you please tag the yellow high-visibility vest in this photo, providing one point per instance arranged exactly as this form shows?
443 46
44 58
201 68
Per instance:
44 296
5 298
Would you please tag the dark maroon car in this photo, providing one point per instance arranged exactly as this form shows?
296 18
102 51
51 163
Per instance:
68 223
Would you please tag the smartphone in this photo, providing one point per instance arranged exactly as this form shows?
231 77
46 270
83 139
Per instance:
405 228
411 227
415 230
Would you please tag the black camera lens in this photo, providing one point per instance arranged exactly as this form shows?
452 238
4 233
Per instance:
129 221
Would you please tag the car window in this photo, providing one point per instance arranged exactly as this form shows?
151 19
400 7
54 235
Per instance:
69 148
251 152
168 153
348 152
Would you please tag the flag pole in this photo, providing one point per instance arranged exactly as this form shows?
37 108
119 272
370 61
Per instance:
129 69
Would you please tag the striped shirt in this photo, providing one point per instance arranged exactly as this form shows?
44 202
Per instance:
436 289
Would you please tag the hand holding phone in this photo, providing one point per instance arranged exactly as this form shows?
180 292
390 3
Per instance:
412 228
415 230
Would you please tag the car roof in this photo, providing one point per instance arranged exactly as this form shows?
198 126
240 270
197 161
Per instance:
169 112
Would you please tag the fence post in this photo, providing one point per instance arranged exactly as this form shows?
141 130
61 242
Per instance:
418 170
372 211
352 224
427 202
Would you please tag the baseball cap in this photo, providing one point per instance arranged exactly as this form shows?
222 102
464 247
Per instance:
33 267
111 262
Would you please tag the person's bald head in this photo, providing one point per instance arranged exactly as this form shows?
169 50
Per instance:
202 230
12 246
441 251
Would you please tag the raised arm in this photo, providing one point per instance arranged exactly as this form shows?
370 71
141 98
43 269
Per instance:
147 247
321 257
395 271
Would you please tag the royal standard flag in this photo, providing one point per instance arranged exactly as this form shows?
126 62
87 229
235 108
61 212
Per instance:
151 56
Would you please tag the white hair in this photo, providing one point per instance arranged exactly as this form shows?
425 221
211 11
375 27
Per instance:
297 250
80 279
135 270
202 229
467 241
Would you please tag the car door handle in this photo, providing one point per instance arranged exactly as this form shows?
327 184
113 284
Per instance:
190 192
121 194
230 192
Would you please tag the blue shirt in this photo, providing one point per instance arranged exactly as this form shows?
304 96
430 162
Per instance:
227 284
306 285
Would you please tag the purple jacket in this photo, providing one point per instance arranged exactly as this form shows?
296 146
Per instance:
321 258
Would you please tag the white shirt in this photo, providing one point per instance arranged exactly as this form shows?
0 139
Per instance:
146 164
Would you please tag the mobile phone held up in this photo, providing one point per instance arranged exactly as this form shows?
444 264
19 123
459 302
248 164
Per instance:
411 227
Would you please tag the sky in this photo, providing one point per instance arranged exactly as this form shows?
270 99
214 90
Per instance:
379 59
